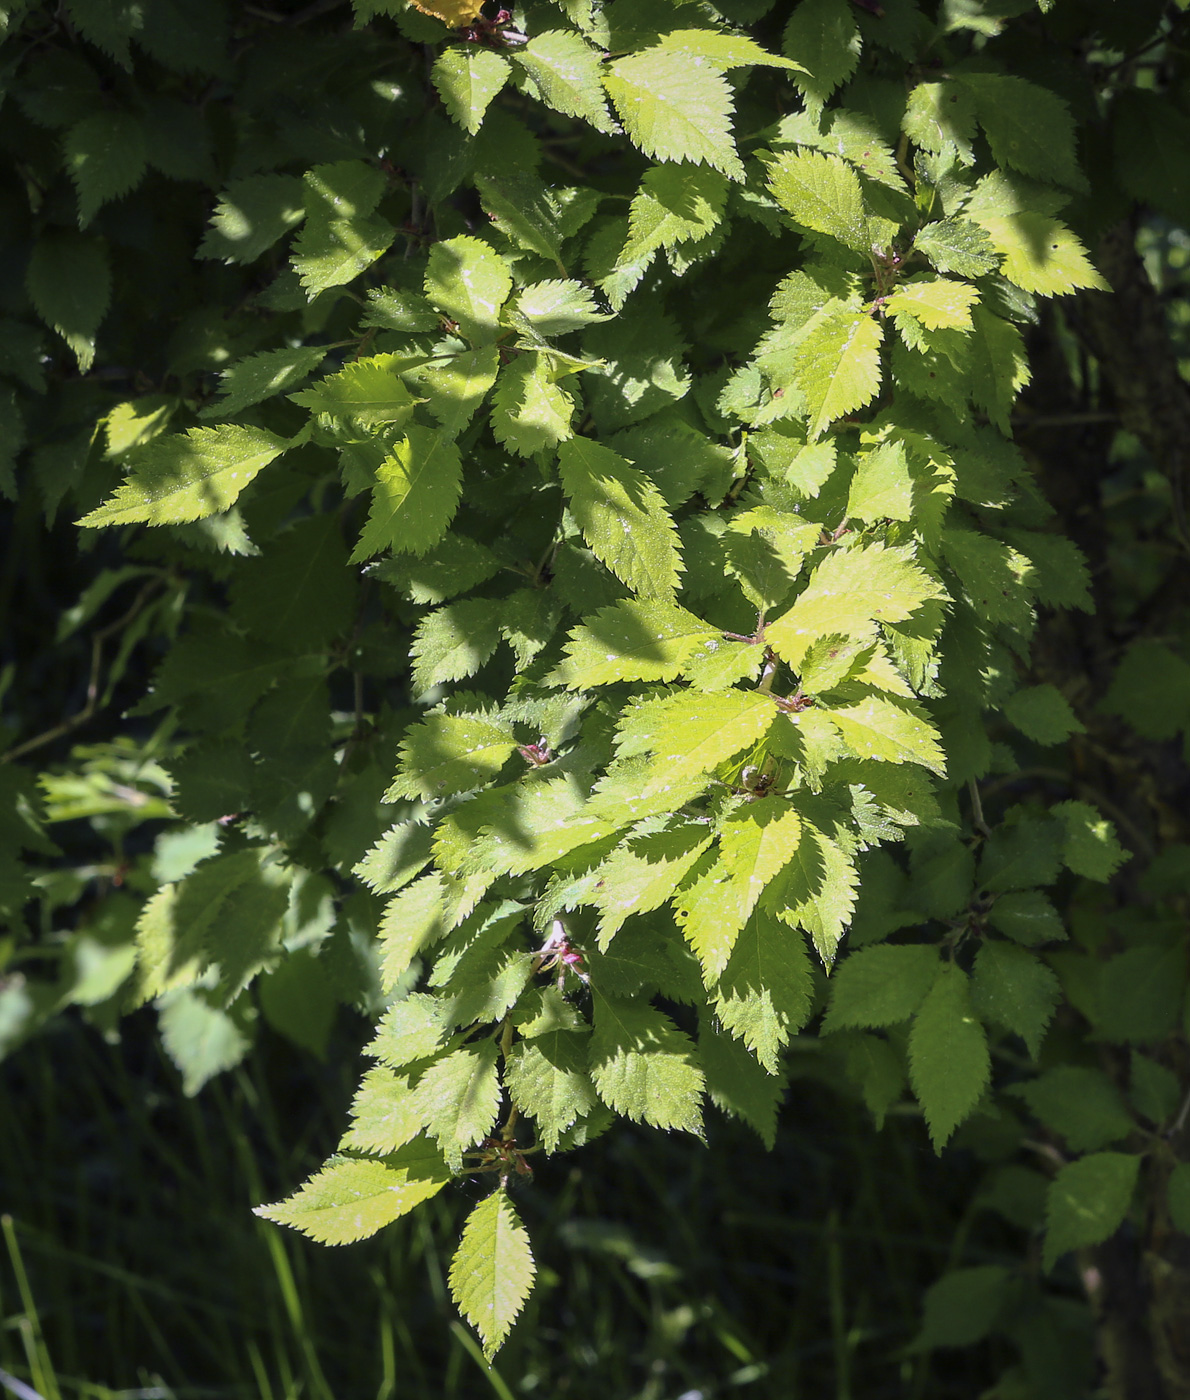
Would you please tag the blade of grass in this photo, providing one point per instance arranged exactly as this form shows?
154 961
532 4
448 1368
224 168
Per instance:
839 1339
263 1385
40 1366
471 1347
18 1388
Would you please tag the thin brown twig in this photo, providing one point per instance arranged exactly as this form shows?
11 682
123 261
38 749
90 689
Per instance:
92 702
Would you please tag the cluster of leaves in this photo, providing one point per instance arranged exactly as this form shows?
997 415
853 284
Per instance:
595 588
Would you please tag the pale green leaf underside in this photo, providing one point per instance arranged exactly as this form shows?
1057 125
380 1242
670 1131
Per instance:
849 591
643 1066
350 1199
492 1272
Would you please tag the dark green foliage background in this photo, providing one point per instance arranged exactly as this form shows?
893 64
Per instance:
133 1263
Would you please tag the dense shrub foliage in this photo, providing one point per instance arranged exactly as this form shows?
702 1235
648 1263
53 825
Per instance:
641 545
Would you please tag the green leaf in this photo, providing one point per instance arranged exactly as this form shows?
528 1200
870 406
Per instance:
999 366
880 986
70 284
454 566
818 889
567 73
467 78
764 994
263 376
459 1097
470 282
412 921
492 1271
174 931
882 488
202 1039
398 309
755 843
399 855
994 577
1041 254
645 370
641 875
957 245
555 308
937 304
247 934
530 413
1149 134
675 108
849 591
964 1306
724 51
1153 1089
1028 127
1087 1202
1015 990
1080 1103
1043 714
341 237
878 1070
109 24
1150 690
837 366
643 1067
1090 847
823 39
676 204
1027 917
822 192
350 1199
454 642
251 215
330 252
188 476
622 516
633 640
415 497
547 1079
456 389
949 1065
939 116
385 1114
105 157
1142 992
691 733
891 730
445 754
1020 855
738 1085
367 392
411 1029
533 825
